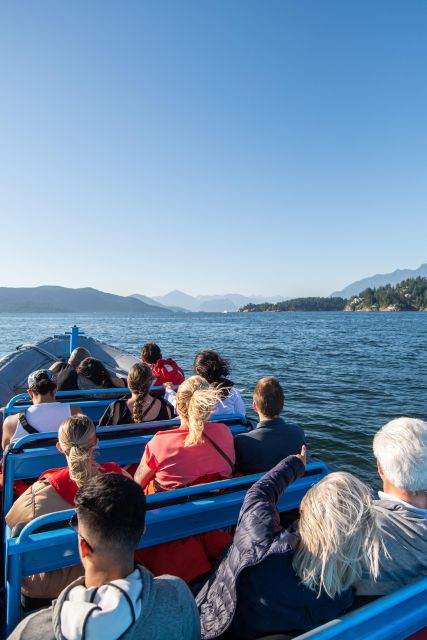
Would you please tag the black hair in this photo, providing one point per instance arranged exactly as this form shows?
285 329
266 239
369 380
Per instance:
95 371
43 386
112 509
210 366
151 352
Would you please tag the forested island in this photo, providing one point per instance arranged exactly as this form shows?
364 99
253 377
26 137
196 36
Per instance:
409 295
300 304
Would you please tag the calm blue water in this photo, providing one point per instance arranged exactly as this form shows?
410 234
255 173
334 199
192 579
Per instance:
344 374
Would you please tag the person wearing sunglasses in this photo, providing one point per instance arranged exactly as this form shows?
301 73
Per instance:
114 599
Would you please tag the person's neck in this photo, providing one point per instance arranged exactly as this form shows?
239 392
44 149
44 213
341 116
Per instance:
96 576
416 499
43 399
135 395
262 418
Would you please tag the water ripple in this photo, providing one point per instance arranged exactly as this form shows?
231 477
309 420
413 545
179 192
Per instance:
344 375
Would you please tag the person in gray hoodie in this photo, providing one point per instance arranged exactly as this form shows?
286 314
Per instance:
400 448
114 599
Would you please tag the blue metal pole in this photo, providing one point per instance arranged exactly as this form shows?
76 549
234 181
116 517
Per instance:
13 593
74 338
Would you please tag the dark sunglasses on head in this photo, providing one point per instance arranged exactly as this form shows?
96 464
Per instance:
74 524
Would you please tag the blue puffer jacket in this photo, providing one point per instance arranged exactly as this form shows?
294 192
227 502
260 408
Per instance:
258 535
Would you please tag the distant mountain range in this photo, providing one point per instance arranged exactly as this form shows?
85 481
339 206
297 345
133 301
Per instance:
214 303
49 299
52 299
380 280
154 303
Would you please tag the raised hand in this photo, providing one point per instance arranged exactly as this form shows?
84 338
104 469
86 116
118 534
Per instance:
303 455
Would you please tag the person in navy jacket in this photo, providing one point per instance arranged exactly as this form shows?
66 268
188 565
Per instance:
276 580
273 438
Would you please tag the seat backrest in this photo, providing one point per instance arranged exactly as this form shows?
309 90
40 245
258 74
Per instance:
33 454
394 617
92 401
47 543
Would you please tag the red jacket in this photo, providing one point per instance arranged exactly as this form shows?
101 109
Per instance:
167 371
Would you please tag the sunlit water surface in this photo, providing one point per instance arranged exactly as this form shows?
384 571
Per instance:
344 374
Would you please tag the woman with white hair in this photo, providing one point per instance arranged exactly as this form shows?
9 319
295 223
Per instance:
400 448
276 580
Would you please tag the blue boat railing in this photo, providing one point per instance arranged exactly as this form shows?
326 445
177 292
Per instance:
170 516
393 617
98 400
31 455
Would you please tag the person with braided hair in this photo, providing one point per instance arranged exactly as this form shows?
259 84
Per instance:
141 406
197 452
56 490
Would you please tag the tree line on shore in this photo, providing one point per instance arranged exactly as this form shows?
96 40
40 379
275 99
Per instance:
408 295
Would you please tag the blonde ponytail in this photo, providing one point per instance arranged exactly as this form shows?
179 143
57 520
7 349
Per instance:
77 437
195 401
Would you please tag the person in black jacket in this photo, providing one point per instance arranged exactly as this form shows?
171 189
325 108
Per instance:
66 371
276 580
273 439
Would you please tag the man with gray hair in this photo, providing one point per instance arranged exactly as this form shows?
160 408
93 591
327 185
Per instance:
400 448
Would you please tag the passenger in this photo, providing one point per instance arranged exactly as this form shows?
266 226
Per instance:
400 448
92 374
141 406
66 374
197 452
114 599
164 371
273 439
276 580
44 415
54 491
214 369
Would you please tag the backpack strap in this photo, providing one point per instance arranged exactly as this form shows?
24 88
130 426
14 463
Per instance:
25 424
220 451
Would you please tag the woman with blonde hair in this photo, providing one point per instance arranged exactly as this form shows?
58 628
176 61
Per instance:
197 452
141 406
55 490
287 581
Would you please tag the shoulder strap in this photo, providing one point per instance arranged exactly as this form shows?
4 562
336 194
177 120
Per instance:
111 415
148 408
25 424
220 451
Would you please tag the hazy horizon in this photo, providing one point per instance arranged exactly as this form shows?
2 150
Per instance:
277 148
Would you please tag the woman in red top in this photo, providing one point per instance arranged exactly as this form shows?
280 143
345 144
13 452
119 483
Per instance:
196 453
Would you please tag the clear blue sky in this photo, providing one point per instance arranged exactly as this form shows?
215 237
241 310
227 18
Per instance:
275 147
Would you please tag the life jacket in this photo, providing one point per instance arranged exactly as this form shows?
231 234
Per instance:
167 371
189 558
60 480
